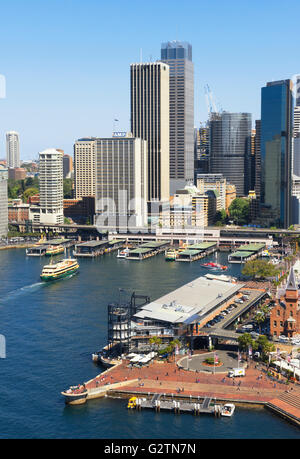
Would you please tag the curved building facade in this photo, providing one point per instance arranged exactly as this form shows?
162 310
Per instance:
230 137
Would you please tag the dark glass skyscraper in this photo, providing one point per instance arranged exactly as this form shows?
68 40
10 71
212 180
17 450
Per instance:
276 151
230 137
178 55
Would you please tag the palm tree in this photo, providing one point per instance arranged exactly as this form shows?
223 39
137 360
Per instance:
155 341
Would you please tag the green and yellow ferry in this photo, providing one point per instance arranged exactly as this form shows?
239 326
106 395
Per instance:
63 268
54 250
171 255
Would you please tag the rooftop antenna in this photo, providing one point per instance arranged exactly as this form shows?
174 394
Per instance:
115 124
141 55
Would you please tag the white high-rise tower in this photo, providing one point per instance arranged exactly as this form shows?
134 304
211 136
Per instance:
12 149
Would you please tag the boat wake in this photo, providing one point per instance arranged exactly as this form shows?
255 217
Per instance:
21 291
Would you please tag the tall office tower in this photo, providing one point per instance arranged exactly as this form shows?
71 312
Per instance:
230 135
252 160
150 122
85 167
201 151
257 157
3 203
67 166
276 151
50 209
297 90
296 130
178 55
121 183
12 149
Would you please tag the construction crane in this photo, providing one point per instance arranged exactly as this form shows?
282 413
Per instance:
210 101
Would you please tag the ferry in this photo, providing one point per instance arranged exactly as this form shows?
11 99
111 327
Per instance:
54 250
228 409
214 266
171 255
123 253
63 268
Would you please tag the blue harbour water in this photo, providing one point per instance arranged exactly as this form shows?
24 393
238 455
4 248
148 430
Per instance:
51 329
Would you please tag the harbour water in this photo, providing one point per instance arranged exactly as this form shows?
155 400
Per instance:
51 329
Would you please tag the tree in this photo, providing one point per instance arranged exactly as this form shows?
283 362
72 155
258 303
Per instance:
68 188
155 341
260 269
29 192
245 341
265 345
239 211
220 217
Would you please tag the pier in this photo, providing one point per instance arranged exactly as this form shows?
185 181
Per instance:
195 406
246 253
147 250
197 251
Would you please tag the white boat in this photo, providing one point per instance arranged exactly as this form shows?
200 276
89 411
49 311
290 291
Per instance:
123 253
227 409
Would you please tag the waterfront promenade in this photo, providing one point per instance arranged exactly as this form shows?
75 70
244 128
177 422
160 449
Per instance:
168 379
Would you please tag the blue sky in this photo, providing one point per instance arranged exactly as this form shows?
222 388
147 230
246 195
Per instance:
66 62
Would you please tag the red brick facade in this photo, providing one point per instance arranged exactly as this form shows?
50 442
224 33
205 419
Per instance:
285 315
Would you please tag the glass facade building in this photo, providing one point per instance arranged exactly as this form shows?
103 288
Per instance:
230 146
178 55
276 151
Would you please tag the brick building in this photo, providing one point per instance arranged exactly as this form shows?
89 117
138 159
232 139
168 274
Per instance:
285 315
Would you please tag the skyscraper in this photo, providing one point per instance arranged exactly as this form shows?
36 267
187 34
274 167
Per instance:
121 183
3 203
12 149
230 135
150 122
67 166
50 209
276 151
85 167
178 55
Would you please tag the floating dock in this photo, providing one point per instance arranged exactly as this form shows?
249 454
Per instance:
158 402
147 250
197 251
90 249
246 253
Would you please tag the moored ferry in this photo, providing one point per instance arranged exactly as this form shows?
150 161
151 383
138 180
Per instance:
54 250
171 255
63 268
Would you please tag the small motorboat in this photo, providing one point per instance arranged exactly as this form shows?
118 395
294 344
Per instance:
123 253
227 409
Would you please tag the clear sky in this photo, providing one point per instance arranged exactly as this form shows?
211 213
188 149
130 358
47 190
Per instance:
66 62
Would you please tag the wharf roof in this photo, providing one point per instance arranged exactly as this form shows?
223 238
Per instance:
116 241
251 247
140 250
191 302
57 241
241 254
190 252
202 245
91 244
154 244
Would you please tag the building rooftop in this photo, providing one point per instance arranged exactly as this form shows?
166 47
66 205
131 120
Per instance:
197 298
